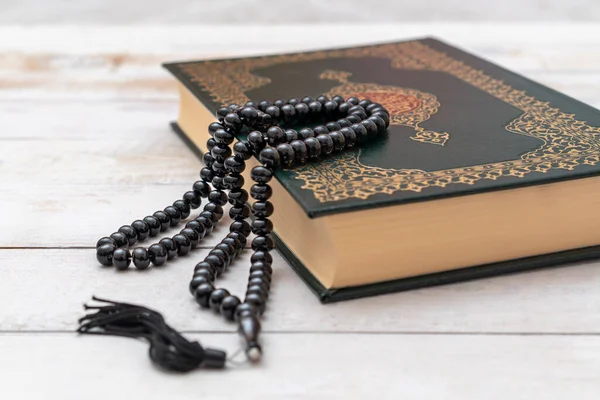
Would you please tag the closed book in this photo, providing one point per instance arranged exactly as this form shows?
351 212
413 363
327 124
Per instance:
482 171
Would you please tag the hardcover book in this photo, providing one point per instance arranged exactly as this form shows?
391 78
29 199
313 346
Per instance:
482 171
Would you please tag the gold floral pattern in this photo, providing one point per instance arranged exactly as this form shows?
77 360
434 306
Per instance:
567 142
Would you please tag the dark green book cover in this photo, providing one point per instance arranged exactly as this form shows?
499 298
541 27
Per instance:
459 125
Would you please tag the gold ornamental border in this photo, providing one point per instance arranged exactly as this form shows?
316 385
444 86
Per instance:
567 142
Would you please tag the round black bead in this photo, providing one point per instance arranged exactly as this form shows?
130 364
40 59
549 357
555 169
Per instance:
262 226
223 137
215 209
243 310
331 108
381 127
241 212
242 149
300 150
197 281
216 297
201 188
154 225
130 233
202 294
355 108
307 100
315 107
305 133
220 152
279 103
286 153
210 143
233 121
234 181
275 135
204 265
313 147
264 285
249 115
216 262
293 101
361 133
222 254
302 111
322 99
338 99
261 266
208 274
344 108
258 301
384 116
239 237
106 240
326 143
218 182
262 106
122 259
359 113
352 100
218 197
372 130
221 113
338 140
240 226
198 227
192 235
288 113
238 196
141 259
120 239
349 136
183 243
320 130
256 289
212 128
171 247
158 254
264 275
174 214
365 103
207 222
344 123
164 219
213 216
237 245
291 134
261 256
208 159
183 207
104 254
262 243
256 139
333 126
354 119
261 174
262 209
193 199
274 112
233 165
269 157
261 192
228 307
207 174
227 248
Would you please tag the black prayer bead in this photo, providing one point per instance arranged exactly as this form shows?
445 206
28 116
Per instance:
261 192
201 189
315 107
122 259
239 213
216 297
381 127
198 227
183 243
202 294
207 222
153 224
223 137
223 255
141 259
352 100
262 243
361 133
262 106
242 149
349 136
216 262
120 239
243 310
256 289
257 140
130 233
354 119
331 108
171 247
291 134
158 254
233 121
302 111
274 112
338 140
227 248
222 112
371 127
106 240
261 256
364 103
384 116
262 209
192 235
164 219
264 275
209 274
208 159
183 207
344 123
192 198
333 126
220 152
239 236
320 130
228 307
279 103
212 128
238 196
338 99
313 147
237 245
262 226
104 254
326 143
262 174
249 115
258 301
213 216
215 209
142 229
197 281
286 153
322 99
174 214
218 197
210 143
269 157
218 182
207 174
288 113
305 133
275 135
261 266
234 181
293 101
300 150
240 226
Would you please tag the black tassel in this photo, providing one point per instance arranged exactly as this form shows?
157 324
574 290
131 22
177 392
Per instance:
168 348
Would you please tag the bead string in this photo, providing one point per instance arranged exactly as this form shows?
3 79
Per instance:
350 122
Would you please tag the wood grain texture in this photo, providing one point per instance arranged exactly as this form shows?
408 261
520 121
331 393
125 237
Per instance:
272 11
85 147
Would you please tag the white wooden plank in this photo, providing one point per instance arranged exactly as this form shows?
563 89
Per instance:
310 366
44 290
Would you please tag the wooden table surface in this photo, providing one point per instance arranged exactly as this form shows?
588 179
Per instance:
85 147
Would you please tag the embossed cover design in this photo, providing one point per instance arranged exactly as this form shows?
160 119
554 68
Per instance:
459 124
